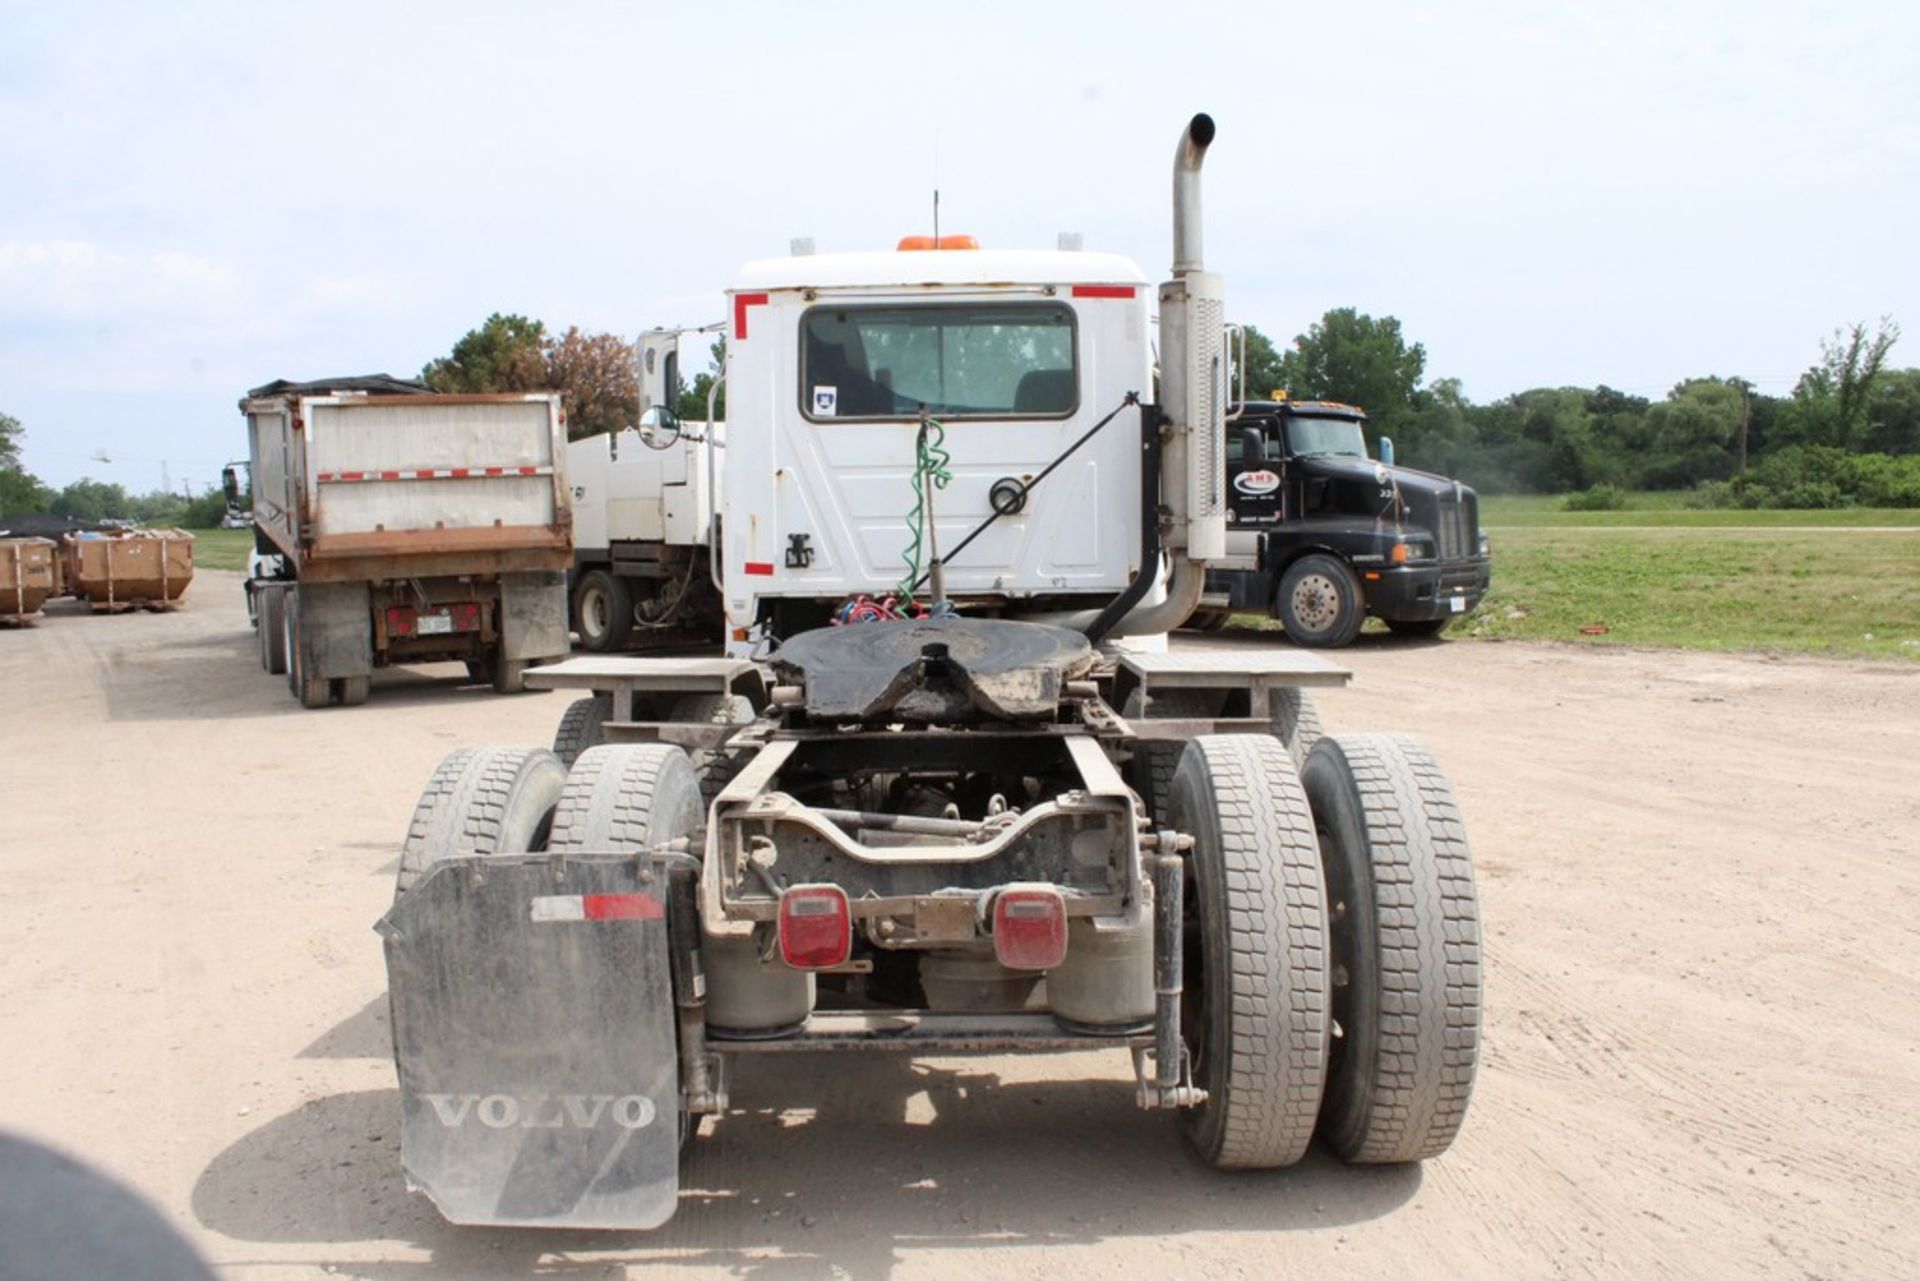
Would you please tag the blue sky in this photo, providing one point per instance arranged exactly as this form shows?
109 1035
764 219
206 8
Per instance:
196 198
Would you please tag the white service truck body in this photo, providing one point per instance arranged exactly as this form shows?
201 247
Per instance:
406 528
643 506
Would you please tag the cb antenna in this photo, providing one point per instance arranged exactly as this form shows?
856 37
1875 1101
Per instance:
936 217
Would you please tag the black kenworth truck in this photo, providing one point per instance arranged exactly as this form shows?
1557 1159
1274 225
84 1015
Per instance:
1320 535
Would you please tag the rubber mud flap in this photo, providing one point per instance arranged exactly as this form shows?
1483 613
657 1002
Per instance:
533 1025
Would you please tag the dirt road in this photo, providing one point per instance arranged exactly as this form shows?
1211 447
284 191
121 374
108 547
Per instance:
1701 893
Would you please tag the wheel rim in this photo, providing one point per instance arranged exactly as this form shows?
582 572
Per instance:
593 614
1316 602
1193 964
1340 954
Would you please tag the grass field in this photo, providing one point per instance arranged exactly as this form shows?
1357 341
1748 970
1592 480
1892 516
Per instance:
222 548
1669 510
1841 592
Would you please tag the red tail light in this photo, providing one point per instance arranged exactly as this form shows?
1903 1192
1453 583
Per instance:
400 621
816 927
466 617
1030 927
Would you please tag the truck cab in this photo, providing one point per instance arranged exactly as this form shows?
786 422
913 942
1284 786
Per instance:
1320 534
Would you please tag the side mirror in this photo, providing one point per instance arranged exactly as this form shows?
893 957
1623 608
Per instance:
230 484
659 428
1386 451
1253 453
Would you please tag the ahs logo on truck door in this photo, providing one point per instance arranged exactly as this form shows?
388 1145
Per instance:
1255 483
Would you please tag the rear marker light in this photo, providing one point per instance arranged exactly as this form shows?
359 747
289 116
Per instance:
1030 927
816 927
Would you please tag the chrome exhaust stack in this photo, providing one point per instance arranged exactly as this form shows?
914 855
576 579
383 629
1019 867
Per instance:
1193 399
1193 371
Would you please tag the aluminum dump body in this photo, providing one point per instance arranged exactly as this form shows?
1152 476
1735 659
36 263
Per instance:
27 576
129 567
363 487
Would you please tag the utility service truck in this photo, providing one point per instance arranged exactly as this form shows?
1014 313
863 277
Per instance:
1320 535
392 525
644 504
949 791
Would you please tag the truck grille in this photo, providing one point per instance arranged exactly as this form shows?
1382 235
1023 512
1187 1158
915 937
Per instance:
1458 539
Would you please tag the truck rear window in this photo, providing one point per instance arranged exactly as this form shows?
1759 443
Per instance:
1006 360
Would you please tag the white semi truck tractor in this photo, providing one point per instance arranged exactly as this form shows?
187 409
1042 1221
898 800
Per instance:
948 792
396 526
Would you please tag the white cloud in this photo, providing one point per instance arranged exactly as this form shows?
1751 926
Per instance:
22 255
63 281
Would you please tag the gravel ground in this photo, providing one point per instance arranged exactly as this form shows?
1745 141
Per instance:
1702 966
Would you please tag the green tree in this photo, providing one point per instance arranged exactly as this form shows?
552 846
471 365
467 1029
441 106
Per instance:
692 405
90 500
21 492
506 353
157 507
1439 435
1894 413
11 433
1692 434
594 372
1351 357
1830 403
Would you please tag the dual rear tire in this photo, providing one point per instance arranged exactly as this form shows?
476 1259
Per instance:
615 798
1333 965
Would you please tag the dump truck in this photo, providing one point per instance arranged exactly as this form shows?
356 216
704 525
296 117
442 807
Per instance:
948 790
393 525
1321 536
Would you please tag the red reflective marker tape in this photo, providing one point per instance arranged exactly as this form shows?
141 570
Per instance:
740 304
1103 291
622 907
598 907
764 568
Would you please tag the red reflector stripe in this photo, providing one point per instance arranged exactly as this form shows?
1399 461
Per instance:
740 304
764 568
1103 291
622 907
434 473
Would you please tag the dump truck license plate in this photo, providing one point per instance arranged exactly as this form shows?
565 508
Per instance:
1458 604
436 624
